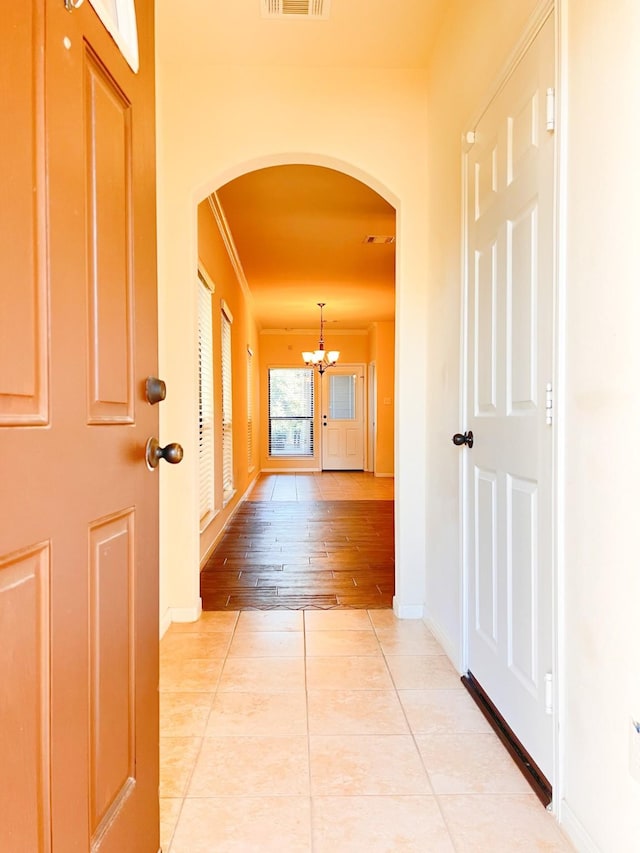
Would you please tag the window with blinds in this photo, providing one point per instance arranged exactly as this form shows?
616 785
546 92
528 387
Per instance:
291 411
205 406
250 409
227 396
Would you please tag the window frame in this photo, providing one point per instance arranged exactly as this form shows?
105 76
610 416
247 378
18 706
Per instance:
250 417
310 418
226 350
206 419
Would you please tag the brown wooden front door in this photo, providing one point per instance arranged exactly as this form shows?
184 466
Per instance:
78 507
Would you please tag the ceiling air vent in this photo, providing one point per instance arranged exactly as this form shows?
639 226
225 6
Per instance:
378 239
317 9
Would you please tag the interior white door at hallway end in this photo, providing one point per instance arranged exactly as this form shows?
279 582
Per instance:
509 307
343 421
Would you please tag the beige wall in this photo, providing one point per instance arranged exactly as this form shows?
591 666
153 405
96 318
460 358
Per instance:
216 123
215 260
601 594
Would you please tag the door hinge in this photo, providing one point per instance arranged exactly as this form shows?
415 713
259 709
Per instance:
551 110
548 693
548 405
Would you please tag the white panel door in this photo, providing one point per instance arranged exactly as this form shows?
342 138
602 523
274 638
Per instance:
510 191
343 419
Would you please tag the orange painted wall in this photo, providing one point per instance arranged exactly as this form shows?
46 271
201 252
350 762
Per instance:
215 260
381 351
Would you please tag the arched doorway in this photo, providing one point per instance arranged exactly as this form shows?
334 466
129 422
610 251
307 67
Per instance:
273 245
178 357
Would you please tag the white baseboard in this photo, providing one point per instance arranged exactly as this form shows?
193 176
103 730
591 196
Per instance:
383 475
186 614
444 641
575 831
407 611
165 622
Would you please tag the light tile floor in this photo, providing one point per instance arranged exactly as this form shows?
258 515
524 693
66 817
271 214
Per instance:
331 732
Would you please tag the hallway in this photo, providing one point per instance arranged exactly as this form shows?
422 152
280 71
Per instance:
330 731
322 540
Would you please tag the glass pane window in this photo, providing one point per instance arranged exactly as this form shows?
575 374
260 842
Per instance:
342 397
291 411
119 18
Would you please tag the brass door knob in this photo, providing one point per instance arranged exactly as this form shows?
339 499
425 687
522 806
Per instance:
171 453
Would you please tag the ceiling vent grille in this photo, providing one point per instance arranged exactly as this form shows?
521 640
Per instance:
316 9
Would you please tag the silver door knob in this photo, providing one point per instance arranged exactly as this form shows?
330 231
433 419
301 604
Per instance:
171 453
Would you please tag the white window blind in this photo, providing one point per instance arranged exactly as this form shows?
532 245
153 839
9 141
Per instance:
227 417
291 411
205 414
250 409
342 396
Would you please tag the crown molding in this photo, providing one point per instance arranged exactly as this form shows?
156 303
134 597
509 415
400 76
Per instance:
232 252
298 332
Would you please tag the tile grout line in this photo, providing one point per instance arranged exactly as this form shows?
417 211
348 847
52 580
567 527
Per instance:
202 739
306 701
415 743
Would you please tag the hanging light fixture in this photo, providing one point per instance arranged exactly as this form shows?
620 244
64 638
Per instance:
321 358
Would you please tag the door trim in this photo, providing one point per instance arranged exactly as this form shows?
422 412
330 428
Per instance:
544 10
371 427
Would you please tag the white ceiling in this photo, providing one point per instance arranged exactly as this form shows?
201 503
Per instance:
299 229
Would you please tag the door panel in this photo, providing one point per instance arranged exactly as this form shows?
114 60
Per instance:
510 309
522 301
78 541
23 320
112 621
485 297
486 565
522 578
107 117
25 819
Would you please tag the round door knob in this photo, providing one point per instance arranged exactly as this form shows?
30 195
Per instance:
171 453
155 390
459 439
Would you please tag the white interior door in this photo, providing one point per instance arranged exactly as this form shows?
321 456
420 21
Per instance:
510 190
343 419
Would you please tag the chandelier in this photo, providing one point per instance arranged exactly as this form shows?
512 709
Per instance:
320 358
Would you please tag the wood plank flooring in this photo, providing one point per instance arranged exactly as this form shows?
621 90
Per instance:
303 555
